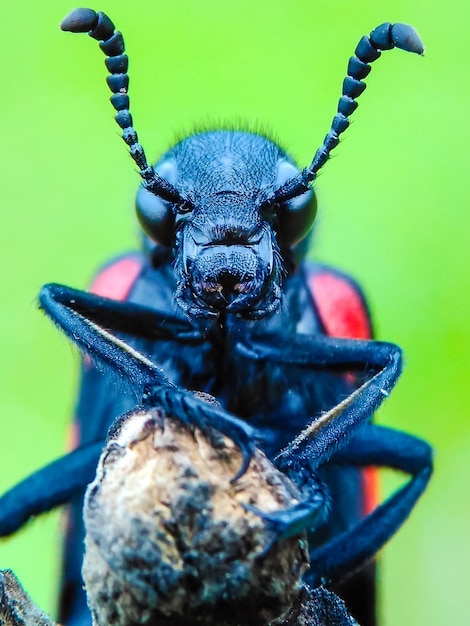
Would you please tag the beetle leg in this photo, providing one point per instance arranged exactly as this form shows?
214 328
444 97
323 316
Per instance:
76 317
379 446
372 446
331 430
345 435
293 520
192 410
48 488
126 317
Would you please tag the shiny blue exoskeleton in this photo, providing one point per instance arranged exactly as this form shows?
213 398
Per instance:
222 305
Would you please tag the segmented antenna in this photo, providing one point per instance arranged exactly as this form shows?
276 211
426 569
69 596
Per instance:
384 37
100 27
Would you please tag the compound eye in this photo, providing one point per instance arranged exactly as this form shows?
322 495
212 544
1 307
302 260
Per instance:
296 216
154 214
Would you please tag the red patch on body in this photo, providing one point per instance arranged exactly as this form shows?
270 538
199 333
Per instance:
116 280
343 313
341 308
370 489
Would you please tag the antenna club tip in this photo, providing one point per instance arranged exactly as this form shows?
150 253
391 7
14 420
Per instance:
79 21
406 38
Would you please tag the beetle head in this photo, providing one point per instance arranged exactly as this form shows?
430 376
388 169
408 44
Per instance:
230 203
228 237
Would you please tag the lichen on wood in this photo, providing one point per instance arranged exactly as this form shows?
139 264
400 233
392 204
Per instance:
16 607
168 539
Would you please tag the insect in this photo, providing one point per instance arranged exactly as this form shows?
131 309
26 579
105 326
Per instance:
222 300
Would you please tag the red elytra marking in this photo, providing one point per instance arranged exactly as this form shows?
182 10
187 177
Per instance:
370 489
117 280
343 314
339 306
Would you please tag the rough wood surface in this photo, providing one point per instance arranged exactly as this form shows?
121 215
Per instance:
169 540
16 607
317 607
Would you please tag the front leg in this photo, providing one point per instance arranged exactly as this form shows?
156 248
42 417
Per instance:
381 447
125 317
345 435
80 316
48 488
331 430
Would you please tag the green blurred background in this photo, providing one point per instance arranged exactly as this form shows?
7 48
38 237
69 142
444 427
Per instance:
393 212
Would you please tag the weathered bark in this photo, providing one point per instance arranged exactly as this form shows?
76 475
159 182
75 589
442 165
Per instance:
16 607
169 540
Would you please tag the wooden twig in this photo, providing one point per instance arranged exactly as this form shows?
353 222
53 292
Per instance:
16 607
169 540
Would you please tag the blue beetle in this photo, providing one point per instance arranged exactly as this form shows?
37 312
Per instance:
221 300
